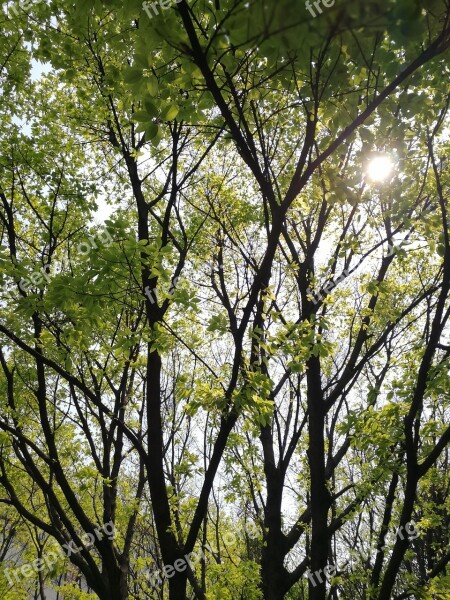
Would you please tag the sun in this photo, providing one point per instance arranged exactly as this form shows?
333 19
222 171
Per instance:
380 168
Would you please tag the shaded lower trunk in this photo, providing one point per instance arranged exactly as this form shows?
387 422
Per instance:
273 573
320 497
177 587
273 586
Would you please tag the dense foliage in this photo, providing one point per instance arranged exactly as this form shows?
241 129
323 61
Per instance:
218 334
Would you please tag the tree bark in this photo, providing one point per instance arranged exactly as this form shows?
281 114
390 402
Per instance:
273 574
320 497
177 587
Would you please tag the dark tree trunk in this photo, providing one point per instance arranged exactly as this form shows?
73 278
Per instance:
177 587
273 573
320 497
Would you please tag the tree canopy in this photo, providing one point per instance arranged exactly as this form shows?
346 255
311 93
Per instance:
224 293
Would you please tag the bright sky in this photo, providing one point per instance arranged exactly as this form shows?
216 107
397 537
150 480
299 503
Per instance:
38 69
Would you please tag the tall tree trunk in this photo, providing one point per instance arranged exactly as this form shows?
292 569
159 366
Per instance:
177 587
273 574
320 497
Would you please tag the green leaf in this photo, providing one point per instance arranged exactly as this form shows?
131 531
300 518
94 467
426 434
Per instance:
151 131
141 116
170 112
132 75
151 108
153 86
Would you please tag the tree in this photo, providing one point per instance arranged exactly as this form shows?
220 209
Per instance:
247 314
